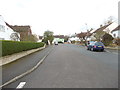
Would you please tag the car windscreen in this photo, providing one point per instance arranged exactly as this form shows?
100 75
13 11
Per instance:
99 43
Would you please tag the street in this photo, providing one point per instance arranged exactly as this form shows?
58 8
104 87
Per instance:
67 66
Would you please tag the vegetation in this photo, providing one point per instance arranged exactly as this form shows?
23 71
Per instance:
107 39
10 47
117 41
82 37
48 35
31 38
66 38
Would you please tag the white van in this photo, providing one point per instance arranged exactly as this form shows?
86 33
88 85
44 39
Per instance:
56 42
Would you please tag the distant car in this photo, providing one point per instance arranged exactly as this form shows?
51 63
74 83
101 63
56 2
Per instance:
56 43
93 46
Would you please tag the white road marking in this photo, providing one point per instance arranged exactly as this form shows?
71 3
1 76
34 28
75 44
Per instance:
21 85
27 72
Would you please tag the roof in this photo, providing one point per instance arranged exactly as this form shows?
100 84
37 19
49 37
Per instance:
9 25
117 28
101 28
59 36
21 28
82 34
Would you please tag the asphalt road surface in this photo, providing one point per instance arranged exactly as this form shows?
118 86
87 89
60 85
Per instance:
68 66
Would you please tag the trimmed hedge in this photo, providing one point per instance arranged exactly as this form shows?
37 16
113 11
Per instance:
10 47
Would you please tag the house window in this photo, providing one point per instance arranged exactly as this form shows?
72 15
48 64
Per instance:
2 28
114 35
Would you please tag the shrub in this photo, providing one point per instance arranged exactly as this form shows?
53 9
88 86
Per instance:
73 42
117 41
10 47
107 39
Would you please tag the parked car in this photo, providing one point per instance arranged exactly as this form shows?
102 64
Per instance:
56 43
95 46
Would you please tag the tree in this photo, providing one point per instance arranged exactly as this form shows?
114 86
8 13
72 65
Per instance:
48 35
117 41
66 38
107 39
82 36
110 20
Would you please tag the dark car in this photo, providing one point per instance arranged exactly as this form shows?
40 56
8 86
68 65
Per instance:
93 46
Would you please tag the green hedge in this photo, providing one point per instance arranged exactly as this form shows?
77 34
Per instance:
10 47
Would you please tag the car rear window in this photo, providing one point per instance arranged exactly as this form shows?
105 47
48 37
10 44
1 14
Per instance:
92 43
99 43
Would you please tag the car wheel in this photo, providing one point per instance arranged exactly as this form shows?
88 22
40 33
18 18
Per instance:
92 49
87 48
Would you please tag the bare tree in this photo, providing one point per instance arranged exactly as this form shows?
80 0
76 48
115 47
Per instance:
14 36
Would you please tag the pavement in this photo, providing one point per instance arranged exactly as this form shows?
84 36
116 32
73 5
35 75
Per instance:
67 66
13 69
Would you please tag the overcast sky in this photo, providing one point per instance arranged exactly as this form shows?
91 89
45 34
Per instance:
59 16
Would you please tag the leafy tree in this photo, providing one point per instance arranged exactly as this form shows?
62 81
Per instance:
66 38
82 36
107 39
48 35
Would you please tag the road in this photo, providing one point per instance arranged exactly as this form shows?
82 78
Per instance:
67 66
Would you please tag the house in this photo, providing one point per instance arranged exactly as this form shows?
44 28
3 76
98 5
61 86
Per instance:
100 31
110 28
7 32
73 37
25 31
82 36
59 38
116 32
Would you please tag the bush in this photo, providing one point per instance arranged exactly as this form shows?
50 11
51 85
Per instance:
107 39
73 42
117 41
10 47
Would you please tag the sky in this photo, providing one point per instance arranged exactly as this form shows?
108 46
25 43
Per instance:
60 16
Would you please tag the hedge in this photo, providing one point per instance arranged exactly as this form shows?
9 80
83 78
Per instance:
10 47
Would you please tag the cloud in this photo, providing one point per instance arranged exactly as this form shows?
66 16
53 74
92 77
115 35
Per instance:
60 16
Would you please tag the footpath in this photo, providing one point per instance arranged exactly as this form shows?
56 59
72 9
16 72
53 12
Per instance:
23 65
